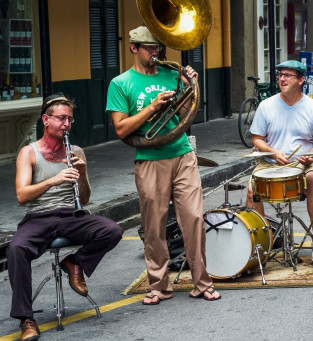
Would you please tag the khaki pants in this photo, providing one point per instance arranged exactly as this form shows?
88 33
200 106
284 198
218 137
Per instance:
157 183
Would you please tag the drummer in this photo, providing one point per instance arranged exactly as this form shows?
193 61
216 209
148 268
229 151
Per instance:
281 124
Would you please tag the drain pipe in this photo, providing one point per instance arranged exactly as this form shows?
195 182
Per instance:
46 82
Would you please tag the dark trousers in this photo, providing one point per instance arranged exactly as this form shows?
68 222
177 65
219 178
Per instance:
97 234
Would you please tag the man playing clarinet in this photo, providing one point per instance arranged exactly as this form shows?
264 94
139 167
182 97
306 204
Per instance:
44 185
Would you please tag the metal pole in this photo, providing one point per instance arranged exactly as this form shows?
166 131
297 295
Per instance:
45 48
271 31
185 61
226 57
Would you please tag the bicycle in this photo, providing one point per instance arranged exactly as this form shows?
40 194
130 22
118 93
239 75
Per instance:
248 109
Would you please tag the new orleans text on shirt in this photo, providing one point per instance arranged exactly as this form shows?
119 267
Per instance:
148 90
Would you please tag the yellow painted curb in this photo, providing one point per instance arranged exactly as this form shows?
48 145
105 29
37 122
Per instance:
80 316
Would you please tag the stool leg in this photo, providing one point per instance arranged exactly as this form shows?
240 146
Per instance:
59 289
95 306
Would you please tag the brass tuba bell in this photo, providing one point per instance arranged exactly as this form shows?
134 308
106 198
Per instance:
181 25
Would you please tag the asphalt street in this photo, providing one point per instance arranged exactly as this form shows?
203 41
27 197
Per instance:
251 314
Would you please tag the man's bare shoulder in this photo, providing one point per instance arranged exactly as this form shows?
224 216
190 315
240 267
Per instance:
26 153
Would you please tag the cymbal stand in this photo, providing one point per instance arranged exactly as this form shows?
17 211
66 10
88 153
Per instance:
253 164
182 257
290 252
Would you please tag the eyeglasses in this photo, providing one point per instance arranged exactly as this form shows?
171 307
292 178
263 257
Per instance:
151 48
286 75
63 118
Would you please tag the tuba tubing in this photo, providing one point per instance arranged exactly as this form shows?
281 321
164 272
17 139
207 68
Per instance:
151 139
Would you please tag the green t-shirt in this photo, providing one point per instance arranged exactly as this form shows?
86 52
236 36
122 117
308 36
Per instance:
132 91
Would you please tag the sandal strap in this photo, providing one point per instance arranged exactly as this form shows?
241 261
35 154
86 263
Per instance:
150 296
211 291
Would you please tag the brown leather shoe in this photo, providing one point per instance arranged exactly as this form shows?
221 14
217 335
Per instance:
76 276
29 330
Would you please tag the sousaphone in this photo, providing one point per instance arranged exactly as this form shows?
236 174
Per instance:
181 25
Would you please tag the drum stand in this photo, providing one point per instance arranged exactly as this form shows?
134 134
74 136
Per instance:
285 230
227 205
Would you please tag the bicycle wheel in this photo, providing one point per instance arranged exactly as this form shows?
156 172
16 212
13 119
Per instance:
245 118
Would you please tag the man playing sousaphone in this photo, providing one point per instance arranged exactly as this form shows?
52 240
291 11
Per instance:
164 173
281 124
44 184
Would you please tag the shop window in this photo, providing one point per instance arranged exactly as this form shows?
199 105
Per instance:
19 50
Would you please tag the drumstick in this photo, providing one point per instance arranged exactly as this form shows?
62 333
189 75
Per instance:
294 152
293 164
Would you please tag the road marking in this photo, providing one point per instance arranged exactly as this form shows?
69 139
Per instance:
103 309
131 238
80 316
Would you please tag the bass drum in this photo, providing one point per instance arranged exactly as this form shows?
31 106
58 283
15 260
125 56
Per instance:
231 239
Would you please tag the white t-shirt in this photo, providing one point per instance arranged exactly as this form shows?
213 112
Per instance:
285 127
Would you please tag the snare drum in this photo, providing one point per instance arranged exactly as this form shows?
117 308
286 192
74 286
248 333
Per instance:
277 185
231 241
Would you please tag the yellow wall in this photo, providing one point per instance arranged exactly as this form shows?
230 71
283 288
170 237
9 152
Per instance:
70 45
69 39
214 42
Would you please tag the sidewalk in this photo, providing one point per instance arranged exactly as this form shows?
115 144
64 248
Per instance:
111 172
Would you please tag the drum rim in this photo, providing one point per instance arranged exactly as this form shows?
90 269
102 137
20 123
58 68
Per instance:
298 172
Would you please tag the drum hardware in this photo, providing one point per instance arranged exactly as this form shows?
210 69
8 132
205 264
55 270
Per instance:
226 259
282 185
227 183
257 248
286 231
234 187
233 212
181 257
278 185
254 256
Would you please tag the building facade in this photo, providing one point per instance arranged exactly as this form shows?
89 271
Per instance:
88 44
293 21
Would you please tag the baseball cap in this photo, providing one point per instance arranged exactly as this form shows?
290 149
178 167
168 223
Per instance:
142 35
292 64
52 99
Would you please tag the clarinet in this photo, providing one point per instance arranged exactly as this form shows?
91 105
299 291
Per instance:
79 210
